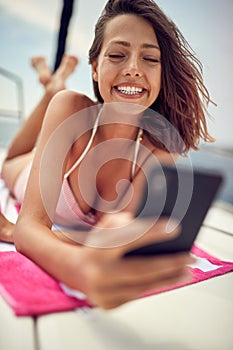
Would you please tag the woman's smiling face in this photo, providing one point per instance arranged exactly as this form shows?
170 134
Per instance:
128 68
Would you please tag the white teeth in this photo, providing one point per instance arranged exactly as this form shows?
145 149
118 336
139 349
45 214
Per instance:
129 90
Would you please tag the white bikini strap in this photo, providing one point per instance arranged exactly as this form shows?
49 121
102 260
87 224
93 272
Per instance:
136 151
95 127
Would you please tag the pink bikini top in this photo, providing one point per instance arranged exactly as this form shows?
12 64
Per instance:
68 212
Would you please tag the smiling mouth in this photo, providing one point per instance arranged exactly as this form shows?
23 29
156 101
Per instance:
130 90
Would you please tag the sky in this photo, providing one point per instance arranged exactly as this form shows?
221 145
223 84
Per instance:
30 27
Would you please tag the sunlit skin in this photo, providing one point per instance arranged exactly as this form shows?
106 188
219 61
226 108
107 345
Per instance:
128 68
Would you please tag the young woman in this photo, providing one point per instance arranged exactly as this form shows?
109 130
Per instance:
140 63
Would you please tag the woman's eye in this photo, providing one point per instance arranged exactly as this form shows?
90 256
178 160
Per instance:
151 59
114 56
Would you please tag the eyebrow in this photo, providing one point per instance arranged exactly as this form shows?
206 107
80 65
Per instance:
127 44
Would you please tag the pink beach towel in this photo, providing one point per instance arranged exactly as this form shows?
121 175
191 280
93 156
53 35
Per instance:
31 291
206 267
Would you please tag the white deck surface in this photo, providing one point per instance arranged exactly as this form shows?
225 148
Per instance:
196 317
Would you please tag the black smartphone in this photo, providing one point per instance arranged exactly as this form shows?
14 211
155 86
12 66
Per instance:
183 194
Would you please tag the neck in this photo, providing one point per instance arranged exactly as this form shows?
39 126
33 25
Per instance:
111 131
119 121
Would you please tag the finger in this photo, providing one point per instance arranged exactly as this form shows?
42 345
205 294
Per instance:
118 296
130 235
144 232
147 269
135 272
183 277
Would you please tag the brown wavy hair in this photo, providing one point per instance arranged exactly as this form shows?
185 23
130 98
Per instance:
183 98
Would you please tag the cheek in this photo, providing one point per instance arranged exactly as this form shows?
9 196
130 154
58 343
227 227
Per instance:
107 71
103 72
158 80
104 81
106 76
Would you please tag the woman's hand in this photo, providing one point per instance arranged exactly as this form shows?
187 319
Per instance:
6 229
109 279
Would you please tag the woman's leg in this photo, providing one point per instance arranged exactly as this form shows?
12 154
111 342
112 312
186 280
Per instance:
20 152
26 137
41 66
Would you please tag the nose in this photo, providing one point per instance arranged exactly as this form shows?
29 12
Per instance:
133 67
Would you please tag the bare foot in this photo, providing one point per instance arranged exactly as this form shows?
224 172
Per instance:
67 66
6 229
58 79
40 65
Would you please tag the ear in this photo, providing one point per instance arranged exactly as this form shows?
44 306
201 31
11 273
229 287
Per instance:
94 71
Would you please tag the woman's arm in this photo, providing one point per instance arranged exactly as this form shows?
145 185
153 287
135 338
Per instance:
33 236
102 273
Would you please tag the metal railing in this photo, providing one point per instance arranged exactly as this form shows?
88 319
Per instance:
11 118
19 112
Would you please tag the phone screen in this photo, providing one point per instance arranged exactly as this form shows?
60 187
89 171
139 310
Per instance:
181 194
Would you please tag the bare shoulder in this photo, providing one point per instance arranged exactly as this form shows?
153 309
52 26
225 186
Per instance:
161 155
165 157
70 102
63 106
